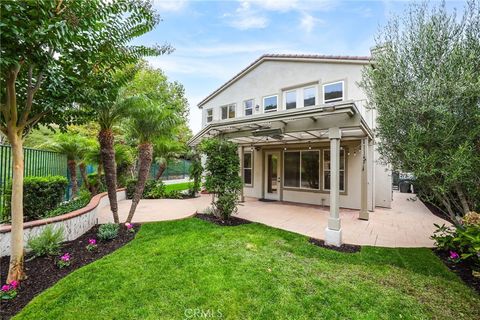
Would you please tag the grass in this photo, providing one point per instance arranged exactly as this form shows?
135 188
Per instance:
178 186
175 269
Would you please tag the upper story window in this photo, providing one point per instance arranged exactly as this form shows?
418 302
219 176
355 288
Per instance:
248 105
270 103
291 99
333 92
228 111
309 96
209 115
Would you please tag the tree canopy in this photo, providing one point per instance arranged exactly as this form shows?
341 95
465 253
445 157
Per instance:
425 85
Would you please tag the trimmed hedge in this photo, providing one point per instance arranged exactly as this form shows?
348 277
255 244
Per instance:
79 202
40 195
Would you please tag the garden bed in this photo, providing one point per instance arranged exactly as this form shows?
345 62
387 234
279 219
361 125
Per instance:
463 269
346 248
233 221
43 272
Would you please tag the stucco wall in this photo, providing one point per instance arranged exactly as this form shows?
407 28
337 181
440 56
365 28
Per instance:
270 77
73 227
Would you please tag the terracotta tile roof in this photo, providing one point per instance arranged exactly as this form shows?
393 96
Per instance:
280 57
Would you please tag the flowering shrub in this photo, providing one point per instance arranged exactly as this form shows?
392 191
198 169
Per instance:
64 261
9 291
92 245
129 227
462 241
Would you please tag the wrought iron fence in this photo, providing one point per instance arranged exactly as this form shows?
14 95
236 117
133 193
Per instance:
37 163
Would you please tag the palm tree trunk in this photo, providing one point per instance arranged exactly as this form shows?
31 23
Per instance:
15 271
72 167
145 159
83 172
106 139
161 170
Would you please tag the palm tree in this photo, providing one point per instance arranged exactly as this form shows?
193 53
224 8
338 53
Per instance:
165 150
73 146
149 120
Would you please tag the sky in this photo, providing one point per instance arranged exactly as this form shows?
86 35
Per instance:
214 40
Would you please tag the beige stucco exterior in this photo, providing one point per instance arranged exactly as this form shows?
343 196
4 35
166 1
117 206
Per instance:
275 76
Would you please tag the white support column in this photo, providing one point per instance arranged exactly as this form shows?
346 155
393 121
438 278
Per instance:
242 155
364 181
333 232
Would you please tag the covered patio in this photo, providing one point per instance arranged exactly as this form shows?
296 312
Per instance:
407 224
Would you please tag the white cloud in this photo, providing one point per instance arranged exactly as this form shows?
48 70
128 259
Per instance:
169 5
309 22
245 17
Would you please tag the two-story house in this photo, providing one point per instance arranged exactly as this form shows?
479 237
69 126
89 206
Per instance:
303 132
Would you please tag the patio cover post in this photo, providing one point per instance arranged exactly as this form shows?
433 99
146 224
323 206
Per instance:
333 232
242 155
364 181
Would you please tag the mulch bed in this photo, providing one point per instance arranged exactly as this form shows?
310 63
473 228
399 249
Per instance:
463 269
345 248
233 221
43 272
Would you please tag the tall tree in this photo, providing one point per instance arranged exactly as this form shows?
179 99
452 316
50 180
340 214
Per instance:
49 49
425 85
156 109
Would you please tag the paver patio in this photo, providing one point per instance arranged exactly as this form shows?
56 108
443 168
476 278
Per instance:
406 224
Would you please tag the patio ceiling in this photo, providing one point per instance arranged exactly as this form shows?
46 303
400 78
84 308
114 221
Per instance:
290 126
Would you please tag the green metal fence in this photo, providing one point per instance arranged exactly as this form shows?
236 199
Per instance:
176 169
37 163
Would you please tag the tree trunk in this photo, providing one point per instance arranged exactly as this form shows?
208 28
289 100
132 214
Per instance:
106 138
16 271
83 172
161 170
145 159
72 167
463 199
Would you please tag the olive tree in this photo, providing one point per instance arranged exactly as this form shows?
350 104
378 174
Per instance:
424 83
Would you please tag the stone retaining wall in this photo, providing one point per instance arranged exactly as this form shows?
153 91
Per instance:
74 223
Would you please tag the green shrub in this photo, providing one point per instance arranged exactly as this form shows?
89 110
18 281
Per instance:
97 185
156 190
132 183
81 201
463 240
108 231
40 195
222 179
47 242
174 194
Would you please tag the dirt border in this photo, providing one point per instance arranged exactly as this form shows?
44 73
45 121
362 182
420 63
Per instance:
345 248
233 221
43 272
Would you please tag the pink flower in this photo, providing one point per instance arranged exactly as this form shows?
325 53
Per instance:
5 288
128 225
14 284
65 257
92 241
454 255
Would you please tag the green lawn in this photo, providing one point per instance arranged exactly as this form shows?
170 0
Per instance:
178 186
253 272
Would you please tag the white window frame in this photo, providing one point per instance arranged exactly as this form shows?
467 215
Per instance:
336 99
300 177
228 106
285 99
344 169
245 107
251 169
207 116
315 89
266 97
